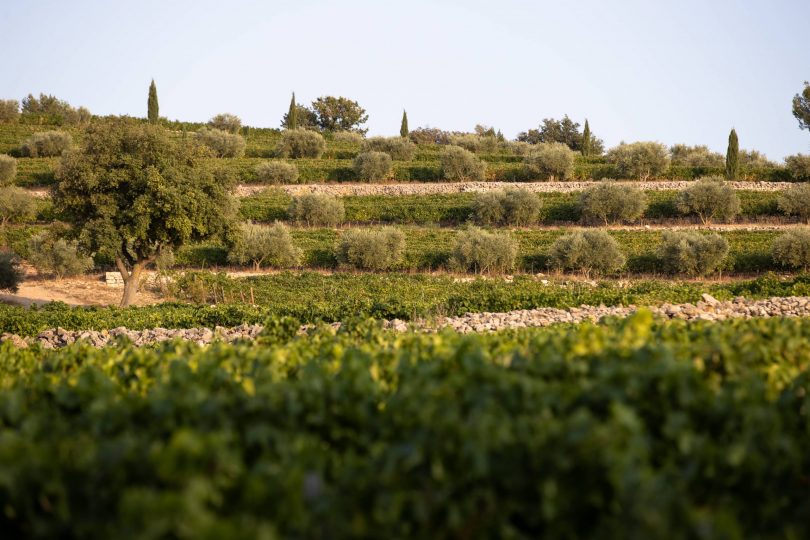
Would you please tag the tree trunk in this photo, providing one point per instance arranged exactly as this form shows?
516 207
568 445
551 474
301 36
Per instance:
131 280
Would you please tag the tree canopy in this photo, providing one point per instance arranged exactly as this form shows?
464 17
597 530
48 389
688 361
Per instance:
132 191
339 114
801 107
564 131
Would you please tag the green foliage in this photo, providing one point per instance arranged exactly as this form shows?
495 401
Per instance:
480 251
8 170
665 430
792 249
694 156
459 164
428 135
9 111
264 246
46 144
276 172
566 132
370 250
588 252
47 109
348 138
799 167
317 210
801 107
226 122
11 275
403 127
752 159
710 199
57 256
398 148
547 161
693 254
132 190
586 140
508 207
609 202
291 120
475 142
301 143
639 160
372 166
152 106
796 202
733 156
304 117
16 205
339 114
222 143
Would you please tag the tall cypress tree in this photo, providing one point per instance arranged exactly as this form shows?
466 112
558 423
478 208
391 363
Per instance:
292 114
586 139
732 156
152 104
403 128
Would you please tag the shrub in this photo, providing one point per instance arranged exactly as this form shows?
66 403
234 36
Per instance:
48 109
348 137
792 249
549 160
372 166
519 148
226 122
488 208
301 143
398 148
588 252
16 205
753 159
641 160
460 164
709 198
46 144
692 254
264 246
11 275
9 110
695 156
317 209
370 250
57 256
521 207
799 167
474 143
276 172
427 135
480 251
609 202
8 169
222 143
796 201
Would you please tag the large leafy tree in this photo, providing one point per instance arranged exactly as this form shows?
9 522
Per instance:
564 131
131 192
339 114
152 107
801 107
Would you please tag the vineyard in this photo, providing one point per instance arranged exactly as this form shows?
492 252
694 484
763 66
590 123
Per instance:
669 430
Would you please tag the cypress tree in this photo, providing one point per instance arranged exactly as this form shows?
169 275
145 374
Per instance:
586 139
732 156
292 114
403 128
152 104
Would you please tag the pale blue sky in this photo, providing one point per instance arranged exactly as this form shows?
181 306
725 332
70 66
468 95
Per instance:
684 71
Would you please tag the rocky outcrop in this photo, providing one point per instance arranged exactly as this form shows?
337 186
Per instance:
708 309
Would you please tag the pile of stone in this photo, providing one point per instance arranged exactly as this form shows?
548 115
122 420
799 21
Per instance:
708 309
430 188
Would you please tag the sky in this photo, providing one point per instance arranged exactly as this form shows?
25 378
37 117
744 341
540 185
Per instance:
682 71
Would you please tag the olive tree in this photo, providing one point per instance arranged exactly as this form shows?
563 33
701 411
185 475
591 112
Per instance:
131 191
640 160
709 198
